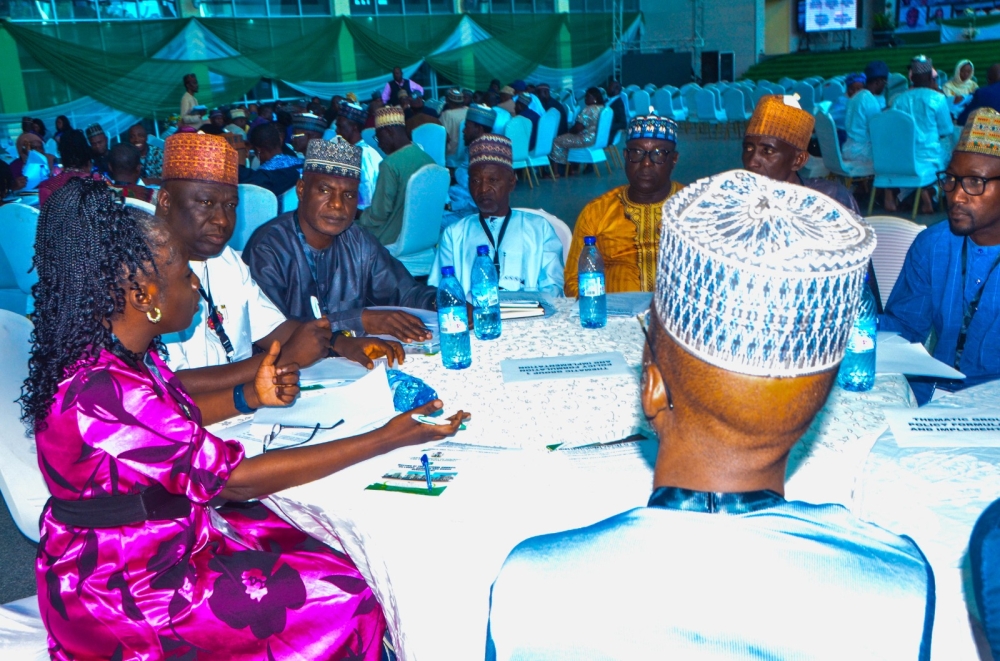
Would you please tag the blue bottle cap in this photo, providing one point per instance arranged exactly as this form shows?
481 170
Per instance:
589 240
482 250
447 271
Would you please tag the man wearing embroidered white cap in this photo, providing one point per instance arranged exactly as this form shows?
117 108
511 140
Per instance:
757 287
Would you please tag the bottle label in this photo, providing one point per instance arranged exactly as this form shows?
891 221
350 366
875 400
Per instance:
860 342
591 284
486 297
453 320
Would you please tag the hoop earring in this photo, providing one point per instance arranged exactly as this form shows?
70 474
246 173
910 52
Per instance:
156 319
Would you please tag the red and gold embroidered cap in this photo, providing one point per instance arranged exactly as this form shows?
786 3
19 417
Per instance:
200 157
781 117
981 134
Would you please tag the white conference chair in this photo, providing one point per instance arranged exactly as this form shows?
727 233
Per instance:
807 95
829 144
22 632
289 200
454 160
432 138
595 153
787 84
894 153
708 112
148 207
19 223
734 105
257 206
501 121
21 481
667 105
639 102
894 236
518 129
548 126
563 231
423 207
368 135
833 90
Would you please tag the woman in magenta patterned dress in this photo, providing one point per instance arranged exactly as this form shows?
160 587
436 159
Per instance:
133 563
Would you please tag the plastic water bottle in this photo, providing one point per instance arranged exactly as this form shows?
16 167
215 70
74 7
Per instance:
485 296
593 302
453 322
857 371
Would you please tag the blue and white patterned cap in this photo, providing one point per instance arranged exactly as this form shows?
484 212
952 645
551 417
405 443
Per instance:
651 126
760 277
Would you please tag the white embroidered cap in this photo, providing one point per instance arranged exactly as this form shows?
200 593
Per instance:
760 277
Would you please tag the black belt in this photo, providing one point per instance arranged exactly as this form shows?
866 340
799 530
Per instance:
153 504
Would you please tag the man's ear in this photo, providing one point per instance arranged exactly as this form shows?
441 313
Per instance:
653 393
163 201
800 160
300 189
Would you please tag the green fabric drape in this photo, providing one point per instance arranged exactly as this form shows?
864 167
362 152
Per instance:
115 63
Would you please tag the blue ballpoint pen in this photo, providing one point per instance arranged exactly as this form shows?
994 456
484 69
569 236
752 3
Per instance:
427 472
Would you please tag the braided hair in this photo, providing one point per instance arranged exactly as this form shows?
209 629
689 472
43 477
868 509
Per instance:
87 246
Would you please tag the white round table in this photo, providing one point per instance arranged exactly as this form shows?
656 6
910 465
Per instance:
431 560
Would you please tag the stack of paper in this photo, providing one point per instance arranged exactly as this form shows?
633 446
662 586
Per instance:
628 304
895 355
524 305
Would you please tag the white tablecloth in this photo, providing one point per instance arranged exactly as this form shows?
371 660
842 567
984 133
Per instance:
431 561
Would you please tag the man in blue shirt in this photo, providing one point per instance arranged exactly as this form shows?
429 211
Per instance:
950 282
719 565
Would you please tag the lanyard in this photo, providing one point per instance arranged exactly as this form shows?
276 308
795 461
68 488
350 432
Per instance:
311 262
499 240
215 322
969 308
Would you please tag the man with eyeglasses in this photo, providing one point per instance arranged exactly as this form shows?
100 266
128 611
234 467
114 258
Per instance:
950 282
718 564
626 220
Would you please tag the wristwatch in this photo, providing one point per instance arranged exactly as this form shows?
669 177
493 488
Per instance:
345 333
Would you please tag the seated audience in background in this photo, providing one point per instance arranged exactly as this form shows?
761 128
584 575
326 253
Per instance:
277 172
62 125
523 108
217 119
390 93
126 172
237 122
775 144
931 120
6 181
38 127
134 560
524 248
373 105
950 282
861 107
351 117
306 127
384 218
318 250
984 97
544 95
150 156
719 565
962 86
99 145
626 220
984 554
507 99
855 82
479 121
419 113
451 118
618 102
25 144
75 153
198 199
583 133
